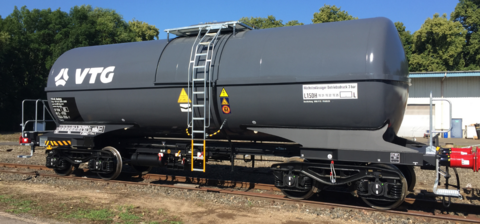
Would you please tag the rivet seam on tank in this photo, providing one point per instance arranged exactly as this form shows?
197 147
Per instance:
225 102
184 101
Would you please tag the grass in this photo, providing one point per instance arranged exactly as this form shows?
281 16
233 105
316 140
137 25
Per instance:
18 205
249 204
85 212
91 214
126 213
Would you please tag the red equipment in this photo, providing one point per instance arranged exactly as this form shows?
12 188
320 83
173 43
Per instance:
461 157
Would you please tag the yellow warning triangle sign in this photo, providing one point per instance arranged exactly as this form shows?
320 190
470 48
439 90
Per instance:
223 93
225 101
183 98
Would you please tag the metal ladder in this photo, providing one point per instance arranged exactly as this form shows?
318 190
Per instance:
198 75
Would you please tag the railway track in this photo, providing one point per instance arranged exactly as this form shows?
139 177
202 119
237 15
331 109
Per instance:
228 187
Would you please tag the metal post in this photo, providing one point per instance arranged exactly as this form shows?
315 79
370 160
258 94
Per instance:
168 37
232 155
234 25
36 113
431 118
43 111
253 161
23 112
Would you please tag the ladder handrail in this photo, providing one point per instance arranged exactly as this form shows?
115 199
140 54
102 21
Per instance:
36 120
211 74
197 51
431 148
190 107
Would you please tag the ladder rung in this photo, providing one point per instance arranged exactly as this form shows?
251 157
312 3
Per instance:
202 54
198 118
200 92
204 43
210 34
197 144
196 131
198 105
198 79
200 66
196 157
195 169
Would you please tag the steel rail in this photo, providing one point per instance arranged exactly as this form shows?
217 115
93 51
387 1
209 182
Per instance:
160 177
172 178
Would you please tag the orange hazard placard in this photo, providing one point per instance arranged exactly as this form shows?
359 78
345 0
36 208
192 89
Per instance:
226 109
225 101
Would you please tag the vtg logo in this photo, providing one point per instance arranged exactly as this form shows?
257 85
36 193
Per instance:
106 75
62 77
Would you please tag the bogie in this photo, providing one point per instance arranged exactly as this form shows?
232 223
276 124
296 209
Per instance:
380 186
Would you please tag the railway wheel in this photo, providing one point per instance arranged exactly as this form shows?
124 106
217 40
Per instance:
65 168
118 164
301 195
297 194
386 205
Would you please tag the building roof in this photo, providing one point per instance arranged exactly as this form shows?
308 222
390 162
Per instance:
443 74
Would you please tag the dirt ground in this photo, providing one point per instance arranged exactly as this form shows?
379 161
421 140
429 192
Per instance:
107 205
9 137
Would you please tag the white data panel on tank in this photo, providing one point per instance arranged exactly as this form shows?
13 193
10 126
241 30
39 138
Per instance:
316 93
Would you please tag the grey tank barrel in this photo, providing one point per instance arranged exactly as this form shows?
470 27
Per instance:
349 75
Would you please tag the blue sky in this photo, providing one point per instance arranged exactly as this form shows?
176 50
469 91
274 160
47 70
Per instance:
171 14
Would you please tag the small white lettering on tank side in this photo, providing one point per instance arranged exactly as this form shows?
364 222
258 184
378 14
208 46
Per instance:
60 108
323 93
80 129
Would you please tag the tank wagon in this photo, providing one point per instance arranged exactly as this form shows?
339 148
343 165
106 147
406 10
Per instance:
330 95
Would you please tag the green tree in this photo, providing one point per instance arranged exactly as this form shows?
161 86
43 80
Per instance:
467 12
269 22
143 31
406 38
4 37
110 28
32 40
438 45
24 61
331 14
262 23
293 23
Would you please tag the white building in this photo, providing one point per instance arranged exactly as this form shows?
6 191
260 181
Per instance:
462 89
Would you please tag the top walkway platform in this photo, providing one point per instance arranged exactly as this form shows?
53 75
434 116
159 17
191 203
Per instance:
227 27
